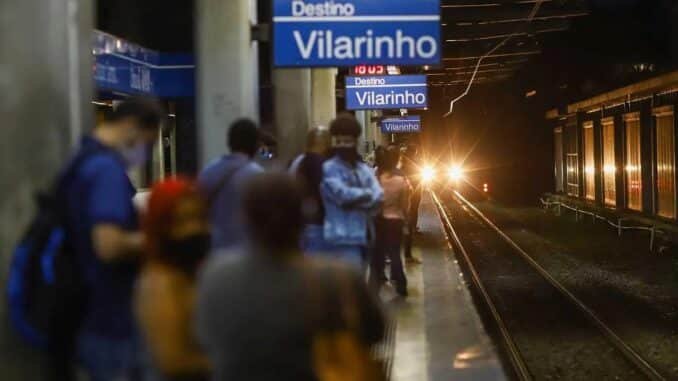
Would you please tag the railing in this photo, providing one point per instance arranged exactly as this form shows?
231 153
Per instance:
618 225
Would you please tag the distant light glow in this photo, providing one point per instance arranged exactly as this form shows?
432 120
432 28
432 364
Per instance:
455 173
589 169
427 174
609 168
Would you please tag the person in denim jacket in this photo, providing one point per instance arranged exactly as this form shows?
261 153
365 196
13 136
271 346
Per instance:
350 192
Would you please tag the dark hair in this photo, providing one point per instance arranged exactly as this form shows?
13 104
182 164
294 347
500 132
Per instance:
273 210
147 112
243 136
345 124
390 159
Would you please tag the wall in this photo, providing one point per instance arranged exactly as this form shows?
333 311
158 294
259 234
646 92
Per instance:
45 93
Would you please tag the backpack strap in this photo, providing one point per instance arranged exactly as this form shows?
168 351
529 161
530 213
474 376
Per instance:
225 179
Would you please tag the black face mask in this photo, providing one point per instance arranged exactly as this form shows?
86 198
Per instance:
347 153
187 253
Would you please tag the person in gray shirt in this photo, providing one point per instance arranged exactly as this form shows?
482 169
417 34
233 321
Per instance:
259 313
222 180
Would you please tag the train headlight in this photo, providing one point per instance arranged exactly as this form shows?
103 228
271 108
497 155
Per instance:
455 173
427 174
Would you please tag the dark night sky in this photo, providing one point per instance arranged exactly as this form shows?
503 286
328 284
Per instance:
498 128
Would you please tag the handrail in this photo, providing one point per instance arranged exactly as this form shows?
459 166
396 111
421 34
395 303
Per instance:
618 225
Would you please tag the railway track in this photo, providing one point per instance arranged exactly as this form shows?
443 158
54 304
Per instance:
546 332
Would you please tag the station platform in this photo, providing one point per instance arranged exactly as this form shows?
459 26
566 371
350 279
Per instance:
437 332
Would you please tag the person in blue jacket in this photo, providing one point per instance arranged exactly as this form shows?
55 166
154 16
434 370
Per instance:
350 192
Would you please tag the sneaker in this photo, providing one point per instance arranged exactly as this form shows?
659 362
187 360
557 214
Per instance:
402 291
413 261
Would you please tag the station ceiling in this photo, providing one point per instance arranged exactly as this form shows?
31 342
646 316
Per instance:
472 28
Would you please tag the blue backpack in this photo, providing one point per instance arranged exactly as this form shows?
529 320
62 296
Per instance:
46 291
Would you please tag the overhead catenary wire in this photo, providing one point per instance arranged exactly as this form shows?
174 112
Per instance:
530 17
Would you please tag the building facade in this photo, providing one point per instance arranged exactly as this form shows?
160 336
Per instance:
618 150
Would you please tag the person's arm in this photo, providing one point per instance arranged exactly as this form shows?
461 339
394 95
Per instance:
111 211
112 243
406 196
375 190
166 324
335 189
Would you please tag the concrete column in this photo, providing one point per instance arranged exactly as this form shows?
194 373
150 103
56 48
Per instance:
293 110
228 84
45 95
323 96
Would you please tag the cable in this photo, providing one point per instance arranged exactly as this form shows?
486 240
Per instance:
530 17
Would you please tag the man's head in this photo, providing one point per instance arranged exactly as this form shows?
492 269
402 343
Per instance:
391 159
345 131
318 141
272 206
243 137
132 127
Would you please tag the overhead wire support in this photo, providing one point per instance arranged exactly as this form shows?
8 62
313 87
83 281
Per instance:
530 17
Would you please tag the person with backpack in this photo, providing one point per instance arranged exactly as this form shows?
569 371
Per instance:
273 314
71 279
351 194
222 180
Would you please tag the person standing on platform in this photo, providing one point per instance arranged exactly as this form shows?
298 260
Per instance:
308 168
411 168
177 241
101 218
222 180
390 223
273 314
351 193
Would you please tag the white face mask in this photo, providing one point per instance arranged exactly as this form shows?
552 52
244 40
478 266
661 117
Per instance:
136 155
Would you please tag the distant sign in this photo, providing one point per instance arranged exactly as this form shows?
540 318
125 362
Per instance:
386 92
369 70
312 33
125 67
401 125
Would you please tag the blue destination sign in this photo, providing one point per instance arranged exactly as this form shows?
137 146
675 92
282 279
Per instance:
401 125
124 67
386 92
317 33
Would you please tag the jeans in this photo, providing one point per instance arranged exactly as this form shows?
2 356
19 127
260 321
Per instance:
412 221
106 359
313 240
349 254
389 242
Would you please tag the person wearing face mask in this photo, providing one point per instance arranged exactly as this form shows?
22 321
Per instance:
103 225
177 240
350 192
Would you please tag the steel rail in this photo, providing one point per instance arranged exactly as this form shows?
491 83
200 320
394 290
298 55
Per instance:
630 353
519 366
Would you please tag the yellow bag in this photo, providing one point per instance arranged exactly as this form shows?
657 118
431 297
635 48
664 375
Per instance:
341 355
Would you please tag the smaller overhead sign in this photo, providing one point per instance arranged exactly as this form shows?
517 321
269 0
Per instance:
406 124
386 92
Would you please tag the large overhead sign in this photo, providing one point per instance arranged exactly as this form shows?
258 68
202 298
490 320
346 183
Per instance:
401 125
386 92
312 33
